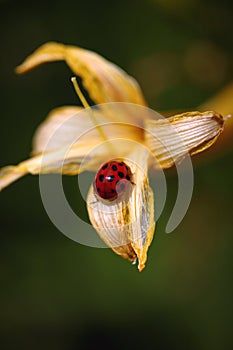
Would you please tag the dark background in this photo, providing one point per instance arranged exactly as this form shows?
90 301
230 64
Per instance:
57 294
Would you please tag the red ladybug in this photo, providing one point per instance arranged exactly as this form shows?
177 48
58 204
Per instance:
112 180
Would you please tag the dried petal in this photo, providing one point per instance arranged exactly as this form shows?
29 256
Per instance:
10 174
59 123
68 138
71 125
127 225
171 139
104 81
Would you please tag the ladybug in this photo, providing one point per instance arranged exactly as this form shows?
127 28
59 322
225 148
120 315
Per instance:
112 180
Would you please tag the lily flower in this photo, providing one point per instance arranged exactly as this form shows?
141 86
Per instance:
73 139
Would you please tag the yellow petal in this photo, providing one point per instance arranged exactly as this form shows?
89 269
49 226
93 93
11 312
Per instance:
65 160
68 138
171 139
127 225
10 174
70 125
104 81
57 161
53 126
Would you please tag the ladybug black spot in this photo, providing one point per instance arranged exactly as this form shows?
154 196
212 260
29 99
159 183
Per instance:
120 174
105 166
121 163
128 177
110 178
101 178
114 167
113 191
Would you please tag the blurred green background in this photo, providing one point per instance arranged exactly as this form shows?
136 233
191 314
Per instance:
57 294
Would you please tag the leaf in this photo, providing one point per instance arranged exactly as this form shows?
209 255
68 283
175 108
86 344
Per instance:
104 81
171 139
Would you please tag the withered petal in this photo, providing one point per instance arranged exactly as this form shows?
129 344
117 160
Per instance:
127 224
71 125
67 138
104 81
171 139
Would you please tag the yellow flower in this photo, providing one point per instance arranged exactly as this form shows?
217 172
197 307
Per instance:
74 139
